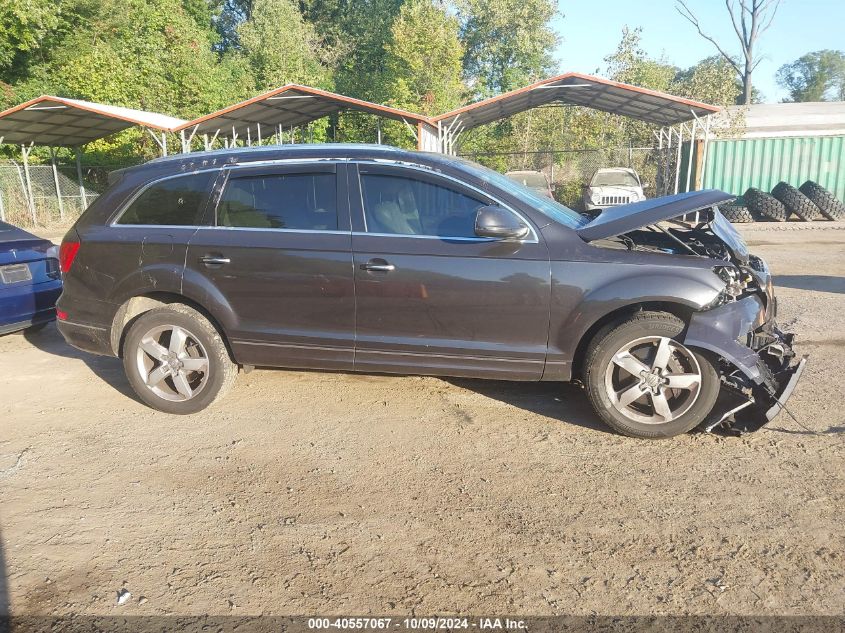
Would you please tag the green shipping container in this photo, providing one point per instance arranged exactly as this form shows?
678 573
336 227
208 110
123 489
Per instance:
734 165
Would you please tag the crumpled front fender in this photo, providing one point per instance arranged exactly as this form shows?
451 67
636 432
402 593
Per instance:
722 331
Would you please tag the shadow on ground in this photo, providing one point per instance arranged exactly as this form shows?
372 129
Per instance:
565 402
108 369
822 283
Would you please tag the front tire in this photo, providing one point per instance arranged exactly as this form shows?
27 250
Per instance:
644 383
176 361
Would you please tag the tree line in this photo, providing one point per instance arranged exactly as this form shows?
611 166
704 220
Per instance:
190 57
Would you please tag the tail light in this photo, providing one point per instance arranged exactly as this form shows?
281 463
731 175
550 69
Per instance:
67 253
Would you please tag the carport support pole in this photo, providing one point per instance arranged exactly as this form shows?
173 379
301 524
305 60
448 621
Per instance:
82 196
704 153
678 161
658 177
56 183
691 149
30 199
378 130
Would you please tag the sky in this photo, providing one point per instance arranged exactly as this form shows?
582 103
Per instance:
591 29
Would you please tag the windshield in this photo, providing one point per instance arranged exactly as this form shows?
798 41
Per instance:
614 178
545 205
529 179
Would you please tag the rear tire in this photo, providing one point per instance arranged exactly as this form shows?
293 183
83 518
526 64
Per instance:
176 361
630 370
796 202
765 205
827 203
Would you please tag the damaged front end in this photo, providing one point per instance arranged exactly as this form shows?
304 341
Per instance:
758 367
757 363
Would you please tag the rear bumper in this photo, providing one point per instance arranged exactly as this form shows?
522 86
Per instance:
88 338
42 317
22 306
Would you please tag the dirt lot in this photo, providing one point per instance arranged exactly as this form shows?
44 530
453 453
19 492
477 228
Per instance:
308 493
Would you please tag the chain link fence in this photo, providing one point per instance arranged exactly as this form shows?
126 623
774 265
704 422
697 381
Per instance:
57 198
570 170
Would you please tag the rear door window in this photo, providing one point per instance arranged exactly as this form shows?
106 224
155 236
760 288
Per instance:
178 201
293 201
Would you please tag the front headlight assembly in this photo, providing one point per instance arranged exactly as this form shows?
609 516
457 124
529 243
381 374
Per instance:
736 283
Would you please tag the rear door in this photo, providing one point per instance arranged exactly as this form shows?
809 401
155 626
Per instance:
143 248
431 296
278 260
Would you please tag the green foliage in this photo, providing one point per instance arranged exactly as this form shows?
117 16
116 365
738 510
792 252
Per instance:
363 29
631 65
712 80
279 47
23 25
508 42
190 57
148 54
423 59
816 76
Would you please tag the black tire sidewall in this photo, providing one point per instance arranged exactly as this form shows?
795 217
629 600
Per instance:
200 329
765 205
829 206
614 340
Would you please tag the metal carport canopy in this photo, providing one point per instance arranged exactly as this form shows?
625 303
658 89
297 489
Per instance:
291 105
581 90
61 122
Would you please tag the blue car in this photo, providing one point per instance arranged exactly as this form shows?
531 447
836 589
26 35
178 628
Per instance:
30 280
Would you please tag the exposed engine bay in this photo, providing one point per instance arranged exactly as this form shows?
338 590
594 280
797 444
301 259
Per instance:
679 237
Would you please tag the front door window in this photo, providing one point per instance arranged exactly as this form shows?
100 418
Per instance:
395 205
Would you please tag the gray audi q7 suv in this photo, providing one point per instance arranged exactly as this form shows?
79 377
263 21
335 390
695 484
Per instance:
374 259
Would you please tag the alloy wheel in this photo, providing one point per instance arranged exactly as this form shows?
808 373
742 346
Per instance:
653 380
172 363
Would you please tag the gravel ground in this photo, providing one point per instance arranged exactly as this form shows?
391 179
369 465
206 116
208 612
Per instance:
306 492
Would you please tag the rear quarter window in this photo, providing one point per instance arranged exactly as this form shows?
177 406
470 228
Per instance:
178 201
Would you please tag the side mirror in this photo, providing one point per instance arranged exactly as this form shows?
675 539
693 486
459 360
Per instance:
493 221
646 185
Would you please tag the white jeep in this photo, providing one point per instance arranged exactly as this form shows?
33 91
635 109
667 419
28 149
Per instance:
612 186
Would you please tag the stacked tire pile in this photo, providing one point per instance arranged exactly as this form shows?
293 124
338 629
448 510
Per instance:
808 202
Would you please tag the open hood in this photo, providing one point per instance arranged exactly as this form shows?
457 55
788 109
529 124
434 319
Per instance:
629 217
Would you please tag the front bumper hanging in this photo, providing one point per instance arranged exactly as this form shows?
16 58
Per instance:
758 371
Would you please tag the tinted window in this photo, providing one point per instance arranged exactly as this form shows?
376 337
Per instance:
173 202
403 206
280 201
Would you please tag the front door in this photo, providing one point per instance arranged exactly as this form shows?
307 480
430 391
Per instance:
278 258
431 296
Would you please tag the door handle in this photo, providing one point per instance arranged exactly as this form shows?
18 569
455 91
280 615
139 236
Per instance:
378 265
214 260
